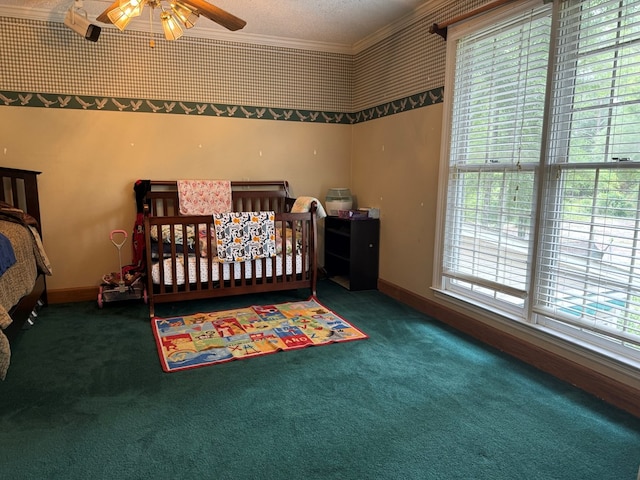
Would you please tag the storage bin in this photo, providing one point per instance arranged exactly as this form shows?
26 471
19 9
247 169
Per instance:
338 199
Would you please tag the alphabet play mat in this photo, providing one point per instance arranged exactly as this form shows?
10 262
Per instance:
215 337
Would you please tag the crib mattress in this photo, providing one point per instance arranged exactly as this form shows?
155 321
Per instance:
226 269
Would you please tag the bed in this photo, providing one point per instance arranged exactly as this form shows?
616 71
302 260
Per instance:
182 261
23 264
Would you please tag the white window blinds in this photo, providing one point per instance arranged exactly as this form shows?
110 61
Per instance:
497 119
589 269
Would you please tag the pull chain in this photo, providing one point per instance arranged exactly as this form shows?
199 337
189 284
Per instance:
152 42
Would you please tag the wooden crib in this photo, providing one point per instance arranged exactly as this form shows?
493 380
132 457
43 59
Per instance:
181 262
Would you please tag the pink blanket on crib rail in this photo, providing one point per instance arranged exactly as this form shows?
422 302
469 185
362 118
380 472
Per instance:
204 197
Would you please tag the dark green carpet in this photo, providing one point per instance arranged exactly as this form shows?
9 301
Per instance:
85 398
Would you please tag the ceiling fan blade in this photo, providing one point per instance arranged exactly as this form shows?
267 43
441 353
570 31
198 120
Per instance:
103 16
221 17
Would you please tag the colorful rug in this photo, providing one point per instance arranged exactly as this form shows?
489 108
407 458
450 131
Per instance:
208 338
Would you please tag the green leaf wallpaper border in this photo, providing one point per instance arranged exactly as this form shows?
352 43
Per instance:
113 104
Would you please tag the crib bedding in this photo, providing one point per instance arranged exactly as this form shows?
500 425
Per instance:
165 246
19 279
176 236
227 269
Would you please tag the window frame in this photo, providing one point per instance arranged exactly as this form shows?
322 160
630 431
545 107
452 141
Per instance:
530 315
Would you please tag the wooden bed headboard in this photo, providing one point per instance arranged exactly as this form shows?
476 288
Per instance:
19 188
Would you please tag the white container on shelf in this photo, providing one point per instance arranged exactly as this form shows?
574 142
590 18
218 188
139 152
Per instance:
338 199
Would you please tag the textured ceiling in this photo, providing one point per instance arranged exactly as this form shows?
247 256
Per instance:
342 23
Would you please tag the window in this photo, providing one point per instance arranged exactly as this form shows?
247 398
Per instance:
541 210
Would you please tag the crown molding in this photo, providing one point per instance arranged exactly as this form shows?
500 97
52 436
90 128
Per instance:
273 41
204 31
419 13
31 13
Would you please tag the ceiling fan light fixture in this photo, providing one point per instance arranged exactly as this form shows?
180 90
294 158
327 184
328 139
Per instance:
122 15
174 15
172 29
119 18
187 16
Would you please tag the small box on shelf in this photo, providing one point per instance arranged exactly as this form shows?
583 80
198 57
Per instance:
353 214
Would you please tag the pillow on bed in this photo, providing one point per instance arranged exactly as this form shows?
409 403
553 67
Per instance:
20 215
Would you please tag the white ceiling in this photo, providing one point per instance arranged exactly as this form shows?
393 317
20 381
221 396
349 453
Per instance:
334 24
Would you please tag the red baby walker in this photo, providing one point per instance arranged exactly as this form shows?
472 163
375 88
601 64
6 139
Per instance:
127 284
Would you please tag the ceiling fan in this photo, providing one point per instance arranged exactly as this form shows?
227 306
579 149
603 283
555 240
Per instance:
120 13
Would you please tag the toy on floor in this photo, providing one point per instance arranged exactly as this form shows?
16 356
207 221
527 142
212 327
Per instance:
127 283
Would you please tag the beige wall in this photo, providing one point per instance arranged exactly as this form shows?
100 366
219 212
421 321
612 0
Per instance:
90 161
394 167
